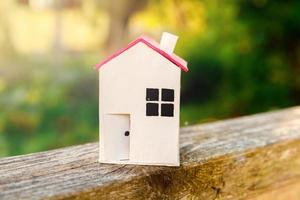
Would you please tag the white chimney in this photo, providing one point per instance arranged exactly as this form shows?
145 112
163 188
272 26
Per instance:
168 42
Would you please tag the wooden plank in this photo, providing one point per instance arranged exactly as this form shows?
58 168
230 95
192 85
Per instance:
233 159
285 192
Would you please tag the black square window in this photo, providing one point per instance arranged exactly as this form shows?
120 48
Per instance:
167 110
152 109
167 95
152 94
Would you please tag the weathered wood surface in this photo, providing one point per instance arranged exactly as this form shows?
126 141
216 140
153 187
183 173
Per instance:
285 192
240 158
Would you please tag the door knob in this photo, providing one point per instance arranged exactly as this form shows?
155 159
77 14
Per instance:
126 133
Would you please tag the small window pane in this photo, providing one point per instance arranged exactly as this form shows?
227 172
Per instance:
167 110
167 95
152 94
152 109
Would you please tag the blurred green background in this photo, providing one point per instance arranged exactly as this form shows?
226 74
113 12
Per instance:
244 58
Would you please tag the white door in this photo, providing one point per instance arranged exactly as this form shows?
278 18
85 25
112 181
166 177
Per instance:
117 133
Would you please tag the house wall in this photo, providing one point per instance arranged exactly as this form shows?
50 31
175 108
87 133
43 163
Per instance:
123 83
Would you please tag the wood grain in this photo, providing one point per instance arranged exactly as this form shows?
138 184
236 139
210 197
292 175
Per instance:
285 192
233 159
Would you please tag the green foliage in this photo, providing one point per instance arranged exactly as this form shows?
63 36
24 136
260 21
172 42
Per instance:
55 107
248 61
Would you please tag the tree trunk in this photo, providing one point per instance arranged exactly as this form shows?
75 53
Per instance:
120 12
6 44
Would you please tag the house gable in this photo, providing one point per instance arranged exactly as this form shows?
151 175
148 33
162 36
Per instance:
182 64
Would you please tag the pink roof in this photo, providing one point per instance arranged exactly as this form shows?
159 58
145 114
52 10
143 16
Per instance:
153 45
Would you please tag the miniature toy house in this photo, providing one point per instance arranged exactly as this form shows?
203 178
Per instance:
140 103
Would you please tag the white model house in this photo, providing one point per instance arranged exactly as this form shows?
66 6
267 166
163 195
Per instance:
140 103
